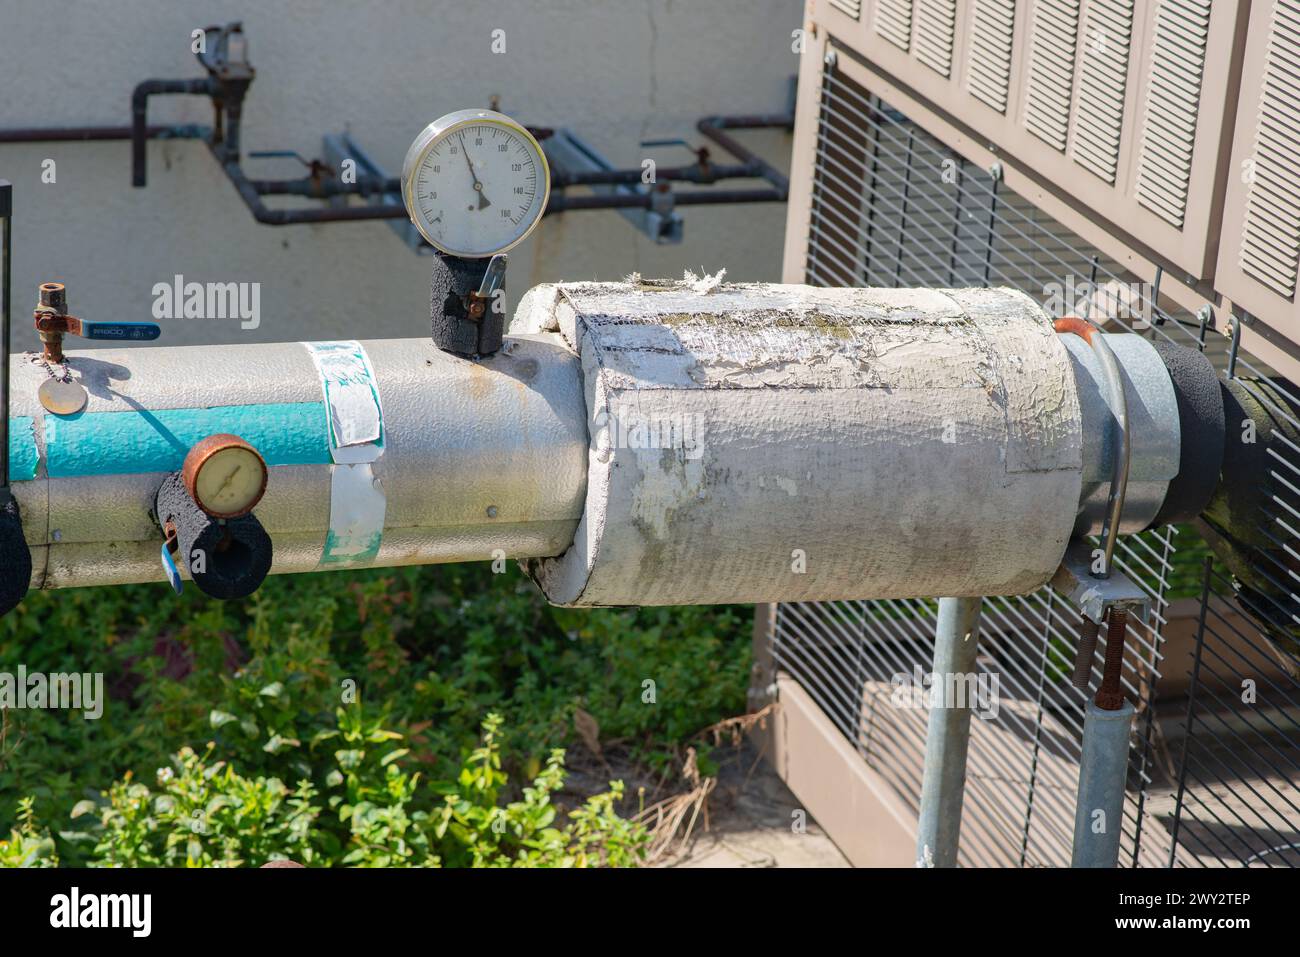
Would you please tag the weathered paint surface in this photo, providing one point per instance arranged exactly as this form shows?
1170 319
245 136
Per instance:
851 442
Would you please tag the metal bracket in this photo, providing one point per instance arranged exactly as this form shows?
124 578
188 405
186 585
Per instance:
337 147
564 150
1094 597
477 302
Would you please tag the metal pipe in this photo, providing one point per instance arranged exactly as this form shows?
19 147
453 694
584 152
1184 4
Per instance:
714 128
287 217
480 460
203 86
947 738
1103 770
711 197
699 173
86 134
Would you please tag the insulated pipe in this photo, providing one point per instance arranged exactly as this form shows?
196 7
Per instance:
837 443
638 443
476 460
947 738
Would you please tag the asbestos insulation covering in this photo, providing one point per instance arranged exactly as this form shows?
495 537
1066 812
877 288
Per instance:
761 442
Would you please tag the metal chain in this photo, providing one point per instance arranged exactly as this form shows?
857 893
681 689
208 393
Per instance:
49 370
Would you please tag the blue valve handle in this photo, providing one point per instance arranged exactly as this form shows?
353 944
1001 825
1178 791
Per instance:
136 331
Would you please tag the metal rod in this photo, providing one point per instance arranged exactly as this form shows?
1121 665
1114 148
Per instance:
947 736
1083 658
1103 770
1123 451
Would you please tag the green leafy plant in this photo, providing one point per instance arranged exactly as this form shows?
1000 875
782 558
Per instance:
203 813
29 845
422 652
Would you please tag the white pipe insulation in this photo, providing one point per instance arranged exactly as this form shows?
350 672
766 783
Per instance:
637 443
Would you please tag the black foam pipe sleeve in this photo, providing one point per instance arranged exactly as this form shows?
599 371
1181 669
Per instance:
1201 432
453 279
225 561
15 556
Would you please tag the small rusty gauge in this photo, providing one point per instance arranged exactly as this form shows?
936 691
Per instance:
225 476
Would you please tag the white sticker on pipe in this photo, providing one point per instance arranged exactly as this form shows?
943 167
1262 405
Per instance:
356 419
357 508
356 435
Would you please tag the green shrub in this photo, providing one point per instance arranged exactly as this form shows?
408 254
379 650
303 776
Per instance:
422 652
374 813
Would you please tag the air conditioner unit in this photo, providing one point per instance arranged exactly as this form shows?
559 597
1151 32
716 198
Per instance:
1137 161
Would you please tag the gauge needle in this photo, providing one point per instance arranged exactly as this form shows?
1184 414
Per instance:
483 201
229 478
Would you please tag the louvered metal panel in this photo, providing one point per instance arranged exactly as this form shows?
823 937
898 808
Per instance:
850 8
1270 241
893 21
1115 106
935 23
1171 107
1259 259
1049 85
992 30
1214 779
1103 76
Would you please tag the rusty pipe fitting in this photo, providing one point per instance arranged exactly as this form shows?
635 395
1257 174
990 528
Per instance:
1110 696
49 318
1073 324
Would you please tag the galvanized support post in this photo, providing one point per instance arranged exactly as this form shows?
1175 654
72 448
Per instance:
948 735
1103 767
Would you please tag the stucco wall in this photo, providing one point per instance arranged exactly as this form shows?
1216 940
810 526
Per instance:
616 71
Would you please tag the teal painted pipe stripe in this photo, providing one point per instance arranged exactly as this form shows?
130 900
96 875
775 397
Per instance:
125 443
23 457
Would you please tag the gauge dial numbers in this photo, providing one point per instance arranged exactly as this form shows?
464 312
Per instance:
475 183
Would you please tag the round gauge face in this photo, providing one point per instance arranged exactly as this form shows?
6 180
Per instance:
225 475
475 183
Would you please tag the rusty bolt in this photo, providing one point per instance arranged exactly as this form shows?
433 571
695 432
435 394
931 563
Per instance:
1110 696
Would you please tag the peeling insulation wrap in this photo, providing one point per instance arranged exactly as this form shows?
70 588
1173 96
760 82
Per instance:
763 443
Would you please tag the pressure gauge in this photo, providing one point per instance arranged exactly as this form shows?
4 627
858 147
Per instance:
475 183
225 476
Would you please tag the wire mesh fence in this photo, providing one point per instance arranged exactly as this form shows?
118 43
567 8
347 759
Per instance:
1213 758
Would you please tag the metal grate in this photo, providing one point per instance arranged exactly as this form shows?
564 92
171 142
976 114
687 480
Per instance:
892 206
